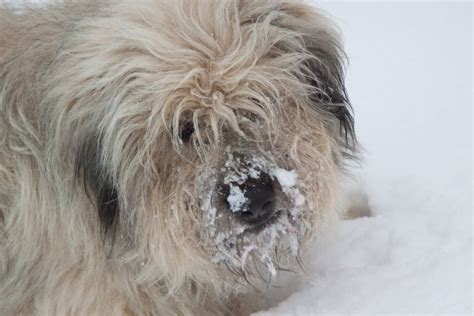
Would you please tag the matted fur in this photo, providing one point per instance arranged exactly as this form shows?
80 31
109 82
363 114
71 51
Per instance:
104 185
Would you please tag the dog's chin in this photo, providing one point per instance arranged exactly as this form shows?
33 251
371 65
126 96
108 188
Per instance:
258 250
263 224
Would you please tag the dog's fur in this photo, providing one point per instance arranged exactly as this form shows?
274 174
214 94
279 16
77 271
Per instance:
117 123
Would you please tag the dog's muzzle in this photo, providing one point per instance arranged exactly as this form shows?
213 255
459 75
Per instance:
252 201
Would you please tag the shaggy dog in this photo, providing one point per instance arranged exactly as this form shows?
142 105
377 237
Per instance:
164 157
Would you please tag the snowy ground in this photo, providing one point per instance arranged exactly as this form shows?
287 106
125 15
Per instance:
410 79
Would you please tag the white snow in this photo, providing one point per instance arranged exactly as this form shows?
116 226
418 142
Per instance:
286 178
410 80
236 199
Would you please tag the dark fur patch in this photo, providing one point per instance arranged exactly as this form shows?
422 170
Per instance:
327 76
325 72
97 183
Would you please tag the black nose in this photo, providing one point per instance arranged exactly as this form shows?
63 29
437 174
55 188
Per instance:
260 200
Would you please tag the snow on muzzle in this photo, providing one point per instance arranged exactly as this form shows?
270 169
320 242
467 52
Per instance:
251 206
252 198
254 189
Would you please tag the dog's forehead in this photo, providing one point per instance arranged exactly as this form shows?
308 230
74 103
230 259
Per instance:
188 55
204 60
156 67
209 51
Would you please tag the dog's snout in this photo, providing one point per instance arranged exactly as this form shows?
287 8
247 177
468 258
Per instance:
261 205
259 196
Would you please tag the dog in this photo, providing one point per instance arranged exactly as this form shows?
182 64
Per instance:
165 157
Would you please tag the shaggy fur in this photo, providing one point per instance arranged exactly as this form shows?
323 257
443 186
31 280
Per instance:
119 123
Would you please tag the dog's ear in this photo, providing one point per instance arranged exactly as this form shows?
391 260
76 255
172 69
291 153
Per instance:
325 69
97 184
326 76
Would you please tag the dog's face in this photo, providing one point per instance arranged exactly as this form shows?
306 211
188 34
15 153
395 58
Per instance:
209 135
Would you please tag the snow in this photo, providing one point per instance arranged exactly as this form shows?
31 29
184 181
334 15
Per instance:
286 178
236 199
410 80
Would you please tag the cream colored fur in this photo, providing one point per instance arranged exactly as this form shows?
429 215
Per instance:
106 86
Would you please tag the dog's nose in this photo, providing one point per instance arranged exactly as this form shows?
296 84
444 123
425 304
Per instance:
260 200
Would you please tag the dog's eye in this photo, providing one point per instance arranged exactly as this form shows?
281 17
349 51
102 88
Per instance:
186 131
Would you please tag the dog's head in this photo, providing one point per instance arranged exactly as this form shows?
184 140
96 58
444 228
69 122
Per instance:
209 135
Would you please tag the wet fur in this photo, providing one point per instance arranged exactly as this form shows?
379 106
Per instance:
100 198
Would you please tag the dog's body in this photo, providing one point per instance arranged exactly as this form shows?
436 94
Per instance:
157 157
